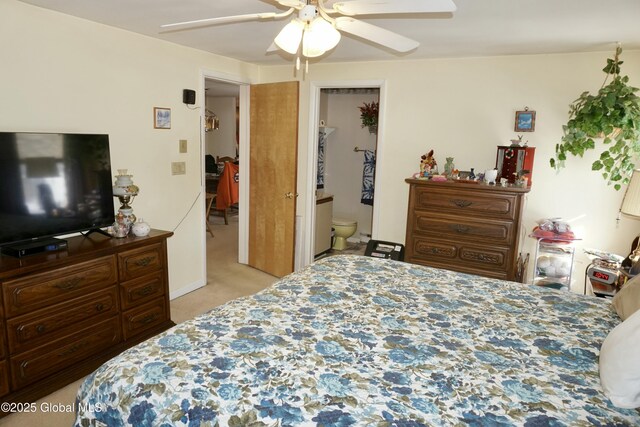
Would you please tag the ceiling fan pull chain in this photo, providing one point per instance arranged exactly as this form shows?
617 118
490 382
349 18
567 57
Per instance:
298 63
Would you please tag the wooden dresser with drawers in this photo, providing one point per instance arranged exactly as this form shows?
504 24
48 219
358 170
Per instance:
62 314
466 227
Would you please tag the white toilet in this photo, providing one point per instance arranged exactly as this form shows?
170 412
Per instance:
343 229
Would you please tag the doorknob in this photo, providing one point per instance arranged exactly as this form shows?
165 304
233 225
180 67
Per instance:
288 195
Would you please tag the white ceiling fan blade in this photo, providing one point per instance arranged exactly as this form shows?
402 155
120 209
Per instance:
376 34
378 7
228 19
298 4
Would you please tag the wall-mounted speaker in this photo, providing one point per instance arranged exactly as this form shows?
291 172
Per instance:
189 96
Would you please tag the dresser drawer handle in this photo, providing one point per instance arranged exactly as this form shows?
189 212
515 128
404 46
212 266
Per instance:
99 306
461 203
144 261
40 329
148 319
69 284
146 290
458 228
476 256
71 350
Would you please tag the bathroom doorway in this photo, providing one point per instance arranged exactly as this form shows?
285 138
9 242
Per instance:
347 159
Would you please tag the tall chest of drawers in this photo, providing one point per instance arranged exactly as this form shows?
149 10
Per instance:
62 314
471 228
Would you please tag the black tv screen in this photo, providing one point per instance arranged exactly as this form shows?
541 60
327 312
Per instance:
53 184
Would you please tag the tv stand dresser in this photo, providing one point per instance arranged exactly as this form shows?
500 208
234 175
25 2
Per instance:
63 314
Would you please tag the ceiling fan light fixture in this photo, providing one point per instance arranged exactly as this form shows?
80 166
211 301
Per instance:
319 37
288 39
315 31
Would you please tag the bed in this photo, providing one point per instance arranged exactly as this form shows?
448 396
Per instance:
353 340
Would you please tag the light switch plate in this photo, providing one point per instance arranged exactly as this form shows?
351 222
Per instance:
178 168
183 146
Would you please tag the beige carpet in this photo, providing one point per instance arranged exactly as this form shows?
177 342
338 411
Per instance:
353 248
226 280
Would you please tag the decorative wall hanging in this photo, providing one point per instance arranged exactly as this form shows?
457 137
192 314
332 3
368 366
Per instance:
525 120
161 118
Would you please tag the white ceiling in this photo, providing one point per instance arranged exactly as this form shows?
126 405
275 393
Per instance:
221 89
477 28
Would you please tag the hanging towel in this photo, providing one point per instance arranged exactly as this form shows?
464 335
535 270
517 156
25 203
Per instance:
227 194
322 145
368 173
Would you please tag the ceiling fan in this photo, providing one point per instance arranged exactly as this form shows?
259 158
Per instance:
318 24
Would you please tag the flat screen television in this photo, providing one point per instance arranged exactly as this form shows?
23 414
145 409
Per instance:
53 184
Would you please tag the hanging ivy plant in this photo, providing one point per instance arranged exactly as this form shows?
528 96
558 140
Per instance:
613 115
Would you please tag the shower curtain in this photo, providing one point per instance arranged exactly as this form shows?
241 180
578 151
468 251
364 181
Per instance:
322 145
368 174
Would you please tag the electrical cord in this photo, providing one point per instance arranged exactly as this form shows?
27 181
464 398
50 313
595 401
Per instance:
188 211
585 278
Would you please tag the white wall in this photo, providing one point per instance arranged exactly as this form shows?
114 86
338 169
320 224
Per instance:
64 74
343 166
464 108
222 142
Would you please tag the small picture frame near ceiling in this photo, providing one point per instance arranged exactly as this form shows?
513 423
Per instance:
525 120
161 118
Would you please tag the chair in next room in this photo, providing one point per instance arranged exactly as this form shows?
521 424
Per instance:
227 193
209 199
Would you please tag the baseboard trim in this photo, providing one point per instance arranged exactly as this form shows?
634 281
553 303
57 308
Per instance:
186 289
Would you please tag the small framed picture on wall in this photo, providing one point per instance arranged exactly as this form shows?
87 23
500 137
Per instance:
161 118
525 121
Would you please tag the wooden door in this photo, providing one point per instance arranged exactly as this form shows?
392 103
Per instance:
273 158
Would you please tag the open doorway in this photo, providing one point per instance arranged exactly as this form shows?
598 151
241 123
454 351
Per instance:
221 150
345 174
279 138
350 157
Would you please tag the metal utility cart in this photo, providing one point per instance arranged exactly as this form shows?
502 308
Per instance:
553 263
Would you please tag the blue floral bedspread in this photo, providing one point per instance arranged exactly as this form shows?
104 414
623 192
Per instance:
362 341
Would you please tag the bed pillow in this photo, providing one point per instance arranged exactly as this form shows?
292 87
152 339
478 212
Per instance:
627 300
619 367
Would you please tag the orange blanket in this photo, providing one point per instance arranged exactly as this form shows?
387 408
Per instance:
228 187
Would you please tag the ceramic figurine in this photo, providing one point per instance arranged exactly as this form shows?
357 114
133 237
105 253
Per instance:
516 142
428 164
472 174
490 176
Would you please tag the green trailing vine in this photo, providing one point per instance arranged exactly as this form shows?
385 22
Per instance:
613 114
